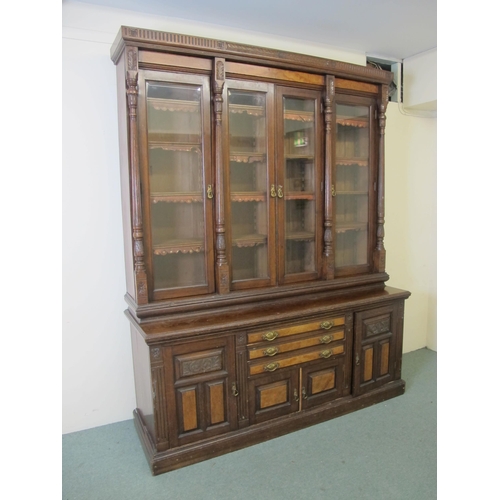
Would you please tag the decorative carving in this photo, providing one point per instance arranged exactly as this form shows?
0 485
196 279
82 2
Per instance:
137 230
382 326
155 352
203 365
242 51
220 72
379 254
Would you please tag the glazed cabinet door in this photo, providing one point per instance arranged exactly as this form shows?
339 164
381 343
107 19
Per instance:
377 347
354 185
201 390
177 187
299 181
250 201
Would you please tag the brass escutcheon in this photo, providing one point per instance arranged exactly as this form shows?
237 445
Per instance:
210 192
270 335
273 191
271 367
280 191
326 353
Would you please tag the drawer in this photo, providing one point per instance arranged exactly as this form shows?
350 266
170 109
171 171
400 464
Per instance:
278 333
317 339
296 358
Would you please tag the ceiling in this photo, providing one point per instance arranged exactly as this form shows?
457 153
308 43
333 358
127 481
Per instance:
387 29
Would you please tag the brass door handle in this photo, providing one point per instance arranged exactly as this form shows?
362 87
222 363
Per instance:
273 191
280 191
235 390
270 336
304 393
210 192
334 193
357 359
296 395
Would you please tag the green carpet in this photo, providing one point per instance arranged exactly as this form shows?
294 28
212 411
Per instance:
384 452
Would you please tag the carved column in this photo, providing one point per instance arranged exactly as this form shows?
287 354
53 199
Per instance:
379 255
328 253
141 285
221 265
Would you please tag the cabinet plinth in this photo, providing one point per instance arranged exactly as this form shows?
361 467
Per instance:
253 210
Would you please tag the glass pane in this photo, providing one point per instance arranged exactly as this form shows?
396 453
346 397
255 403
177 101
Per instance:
248 184
351 185
176 184
298 191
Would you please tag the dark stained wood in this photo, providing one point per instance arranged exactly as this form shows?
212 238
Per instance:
379 254
230 360
187 44
328 250
263 73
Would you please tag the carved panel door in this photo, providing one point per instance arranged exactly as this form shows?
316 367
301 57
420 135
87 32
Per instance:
201 390
377 348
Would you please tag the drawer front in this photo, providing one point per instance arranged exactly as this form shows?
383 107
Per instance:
296 358
317 339
271 335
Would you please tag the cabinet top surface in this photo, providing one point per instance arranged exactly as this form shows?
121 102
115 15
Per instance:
251 317
208 47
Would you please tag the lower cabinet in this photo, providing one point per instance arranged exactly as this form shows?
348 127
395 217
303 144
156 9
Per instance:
242 385
201 388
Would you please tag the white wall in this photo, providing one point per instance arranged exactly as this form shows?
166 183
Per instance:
420 81
410 228
98 383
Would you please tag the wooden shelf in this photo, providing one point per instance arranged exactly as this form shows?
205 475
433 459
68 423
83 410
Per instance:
299 195
169 197
176 146
351 226
247 157
179 246
299 157
360 162
352 193
349 121
247 108
300 236
249 240
300 116
177 105
248 196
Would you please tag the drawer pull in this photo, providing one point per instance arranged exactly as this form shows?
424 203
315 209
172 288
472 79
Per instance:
271 367
271 351
326 325
326 353
326 339
270 336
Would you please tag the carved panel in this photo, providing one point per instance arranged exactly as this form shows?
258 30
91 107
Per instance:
377 327
188 365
